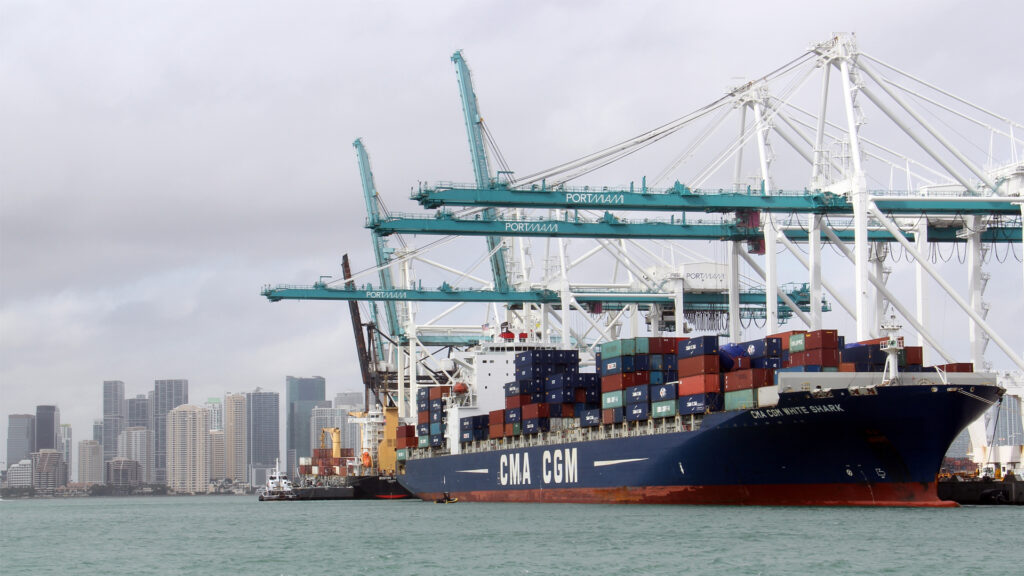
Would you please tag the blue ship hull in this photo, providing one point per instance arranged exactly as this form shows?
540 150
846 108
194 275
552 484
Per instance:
878 448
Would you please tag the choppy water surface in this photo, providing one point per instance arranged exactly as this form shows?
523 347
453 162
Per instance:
238 535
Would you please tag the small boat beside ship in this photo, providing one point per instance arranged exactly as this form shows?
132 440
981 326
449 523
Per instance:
278 486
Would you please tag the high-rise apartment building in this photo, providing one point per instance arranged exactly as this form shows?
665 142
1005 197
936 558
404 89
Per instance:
216 464
236 465
66 445
21 437
301 396
97 431
47 427
122 474
138 412
262 438
216 408
113 416
49 471
188 432
90 462
166 396
19 475
136 443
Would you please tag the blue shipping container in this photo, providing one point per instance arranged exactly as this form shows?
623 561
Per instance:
513 415
423 429
663 392
436 440
641 363
700 404
766 362
700 346
590 417
535 425
763 348
611 366
637 412
555 396
635 394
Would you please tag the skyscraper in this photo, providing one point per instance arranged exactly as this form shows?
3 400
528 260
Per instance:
216 409
138 411
136 443
97 431
21 437
166 396
217 470
263 440
301 396
90 462
113 416
47 427
188 431
66 444
236 465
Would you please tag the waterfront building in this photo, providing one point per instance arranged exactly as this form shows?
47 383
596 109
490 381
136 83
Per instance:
136 443
21 437
187 449
49 471
97 431
47 427
216 464
235 465
66 447
263 429
90 462
138 412
166 396
123 474
113 416
301 396
19 475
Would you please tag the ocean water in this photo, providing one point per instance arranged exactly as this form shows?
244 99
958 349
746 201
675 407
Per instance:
239 535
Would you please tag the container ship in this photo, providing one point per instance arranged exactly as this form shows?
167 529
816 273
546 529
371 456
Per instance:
797 418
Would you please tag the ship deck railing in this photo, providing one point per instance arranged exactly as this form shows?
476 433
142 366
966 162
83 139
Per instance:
571 435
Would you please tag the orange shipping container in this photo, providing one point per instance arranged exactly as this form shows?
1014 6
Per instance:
847 367
706 364
531 411
700 384
821 340
423 417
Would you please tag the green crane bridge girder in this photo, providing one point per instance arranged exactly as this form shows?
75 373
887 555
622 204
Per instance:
443 223
680 198
607 300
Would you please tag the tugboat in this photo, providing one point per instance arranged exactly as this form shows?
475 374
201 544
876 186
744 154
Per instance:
278 486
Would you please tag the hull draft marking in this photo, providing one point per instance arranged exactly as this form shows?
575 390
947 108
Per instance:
599 463
475 471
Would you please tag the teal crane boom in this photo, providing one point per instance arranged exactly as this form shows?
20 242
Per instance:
481 170
381 251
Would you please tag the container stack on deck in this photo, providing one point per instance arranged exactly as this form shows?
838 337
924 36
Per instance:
405 438
641 379
323 463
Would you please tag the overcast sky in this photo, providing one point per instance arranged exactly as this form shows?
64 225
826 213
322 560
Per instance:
161 161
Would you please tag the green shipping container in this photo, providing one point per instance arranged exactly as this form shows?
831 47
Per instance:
424 442
796 342
663 409
641 345
741 399
611 399
401 454
517 429
829 369
617 348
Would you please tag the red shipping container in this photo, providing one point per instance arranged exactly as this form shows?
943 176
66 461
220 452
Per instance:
872 342
509 430
496 431
819 357
915 355
439 391
785 337
957 367
706 364
496 417
517 401
641 379
741 363
617 382
608 416
568 411
662 345
821 340
700 384
531 411
847 367
423 417
745 379
579 395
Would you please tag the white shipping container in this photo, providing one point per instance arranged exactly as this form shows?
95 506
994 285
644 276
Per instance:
767 396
